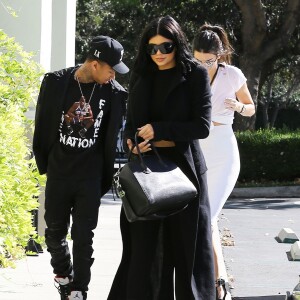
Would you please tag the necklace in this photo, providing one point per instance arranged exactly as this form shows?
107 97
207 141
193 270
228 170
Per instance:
215 75
82 92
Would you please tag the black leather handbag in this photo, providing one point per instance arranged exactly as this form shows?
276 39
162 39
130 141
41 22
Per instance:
152 187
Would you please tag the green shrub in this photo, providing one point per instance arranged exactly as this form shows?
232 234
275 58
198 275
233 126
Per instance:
19 180
269 155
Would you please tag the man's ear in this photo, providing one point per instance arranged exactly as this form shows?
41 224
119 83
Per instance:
95 64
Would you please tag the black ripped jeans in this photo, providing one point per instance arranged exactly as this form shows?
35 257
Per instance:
81 200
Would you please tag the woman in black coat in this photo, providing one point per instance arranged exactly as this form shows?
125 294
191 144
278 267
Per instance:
169 104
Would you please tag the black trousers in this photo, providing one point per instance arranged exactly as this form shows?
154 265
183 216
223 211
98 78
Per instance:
81 200
154 250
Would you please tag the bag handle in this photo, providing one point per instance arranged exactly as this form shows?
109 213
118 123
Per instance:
140 153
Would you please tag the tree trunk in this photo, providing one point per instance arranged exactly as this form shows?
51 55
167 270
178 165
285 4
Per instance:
274 116
266 122
251 69
259 48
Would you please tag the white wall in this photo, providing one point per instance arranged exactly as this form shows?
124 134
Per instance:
26 26
63 33
46 27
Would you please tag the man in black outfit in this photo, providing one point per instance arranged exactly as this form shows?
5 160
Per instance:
79 165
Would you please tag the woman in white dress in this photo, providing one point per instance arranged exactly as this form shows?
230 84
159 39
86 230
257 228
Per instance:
229 94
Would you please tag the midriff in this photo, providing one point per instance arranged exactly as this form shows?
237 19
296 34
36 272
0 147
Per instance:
164 144
217 124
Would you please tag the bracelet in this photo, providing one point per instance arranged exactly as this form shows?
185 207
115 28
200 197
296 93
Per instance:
243 109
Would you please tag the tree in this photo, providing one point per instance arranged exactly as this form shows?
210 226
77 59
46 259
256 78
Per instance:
106 17
281 89
261 31
266 36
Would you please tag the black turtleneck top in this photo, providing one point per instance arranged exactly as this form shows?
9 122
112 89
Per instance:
161 81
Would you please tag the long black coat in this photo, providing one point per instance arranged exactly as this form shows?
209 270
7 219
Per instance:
186 118
47 119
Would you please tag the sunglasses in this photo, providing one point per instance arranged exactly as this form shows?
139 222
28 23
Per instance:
208 63
164 48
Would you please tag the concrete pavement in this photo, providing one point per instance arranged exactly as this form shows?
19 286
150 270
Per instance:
32 279
257 264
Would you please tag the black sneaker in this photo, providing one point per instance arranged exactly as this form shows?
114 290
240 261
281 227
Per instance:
63 286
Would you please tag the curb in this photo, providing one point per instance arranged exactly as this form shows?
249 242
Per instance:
275 297
266 192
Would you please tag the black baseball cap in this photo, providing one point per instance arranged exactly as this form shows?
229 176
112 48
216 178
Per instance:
110 51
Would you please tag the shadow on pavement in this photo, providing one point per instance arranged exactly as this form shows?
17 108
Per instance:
273 297
263 203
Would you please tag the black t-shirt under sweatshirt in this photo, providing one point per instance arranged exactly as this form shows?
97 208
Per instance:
78 151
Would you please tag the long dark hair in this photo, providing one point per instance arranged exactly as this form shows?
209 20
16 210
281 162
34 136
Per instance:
170 29
213 39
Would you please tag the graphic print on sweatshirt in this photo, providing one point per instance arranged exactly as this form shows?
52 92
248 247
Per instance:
80 124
